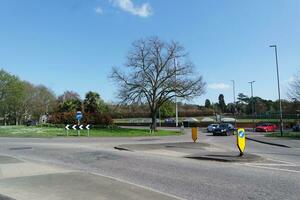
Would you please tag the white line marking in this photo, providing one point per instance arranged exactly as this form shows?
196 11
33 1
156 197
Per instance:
272 168
140 186
273 164
281 161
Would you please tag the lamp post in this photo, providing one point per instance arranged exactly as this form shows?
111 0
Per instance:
176 105
234 103
252 104
278 87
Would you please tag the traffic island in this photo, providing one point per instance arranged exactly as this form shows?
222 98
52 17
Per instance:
226 157
2 197
183 146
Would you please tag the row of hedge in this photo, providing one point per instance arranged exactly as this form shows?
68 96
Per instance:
88 118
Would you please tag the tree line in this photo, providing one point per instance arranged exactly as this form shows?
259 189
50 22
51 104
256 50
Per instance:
21 101
243 106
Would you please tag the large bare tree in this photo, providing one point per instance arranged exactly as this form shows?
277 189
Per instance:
152 76
294 89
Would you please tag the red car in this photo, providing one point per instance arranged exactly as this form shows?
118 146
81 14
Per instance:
265 127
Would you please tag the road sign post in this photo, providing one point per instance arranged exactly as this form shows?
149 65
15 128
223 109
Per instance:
67 128
78 117
241 141
88 129
195 133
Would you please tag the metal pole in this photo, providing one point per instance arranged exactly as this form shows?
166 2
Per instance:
159 116
251 83
278 86
78 131
233 87
234 112
176 106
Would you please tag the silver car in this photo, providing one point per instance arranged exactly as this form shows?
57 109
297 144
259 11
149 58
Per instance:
212 127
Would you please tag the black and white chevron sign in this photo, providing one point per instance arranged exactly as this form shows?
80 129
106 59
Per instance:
78 127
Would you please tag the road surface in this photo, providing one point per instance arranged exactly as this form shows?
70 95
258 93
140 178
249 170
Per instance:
165 172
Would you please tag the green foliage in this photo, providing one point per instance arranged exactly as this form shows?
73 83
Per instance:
21 101
222 104
88 118
93 103
70 105
207 103
167 109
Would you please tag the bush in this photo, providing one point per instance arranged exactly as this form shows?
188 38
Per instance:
97 119
63 118
48 125
88 118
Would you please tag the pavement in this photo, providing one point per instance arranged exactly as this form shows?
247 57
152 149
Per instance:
147 168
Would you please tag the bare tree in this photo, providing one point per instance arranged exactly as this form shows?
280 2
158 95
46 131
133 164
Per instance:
152 76
294 89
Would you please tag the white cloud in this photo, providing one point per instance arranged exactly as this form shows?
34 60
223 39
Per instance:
143 10
218 86
99 10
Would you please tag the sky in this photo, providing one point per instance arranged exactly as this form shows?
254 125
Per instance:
73 44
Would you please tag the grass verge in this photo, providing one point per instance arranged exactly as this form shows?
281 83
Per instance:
23 131
292 135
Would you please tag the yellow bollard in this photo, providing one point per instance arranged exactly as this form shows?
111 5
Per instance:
194 134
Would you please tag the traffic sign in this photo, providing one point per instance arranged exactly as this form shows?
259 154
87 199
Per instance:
67 127
241 140
78 115
78 127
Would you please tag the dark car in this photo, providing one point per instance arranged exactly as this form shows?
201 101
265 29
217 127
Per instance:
31 123
169 121
212 127
224 129
296 127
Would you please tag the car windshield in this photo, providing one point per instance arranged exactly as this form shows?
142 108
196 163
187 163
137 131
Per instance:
265 125
223 125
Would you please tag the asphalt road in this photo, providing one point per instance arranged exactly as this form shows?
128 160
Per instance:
166 170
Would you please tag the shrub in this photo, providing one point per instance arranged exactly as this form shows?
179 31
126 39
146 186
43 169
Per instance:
88 118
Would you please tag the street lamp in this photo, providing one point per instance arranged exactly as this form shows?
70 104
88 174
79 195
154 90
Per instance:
278 85
233 88
251 83
176 105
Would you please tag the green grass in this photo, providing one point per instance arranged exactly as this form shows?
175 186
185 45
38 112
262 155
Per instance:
140 120
23 131
264 120
291 135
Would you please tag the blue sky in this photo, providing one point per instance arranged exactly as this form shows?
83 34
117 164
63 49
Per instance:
72 44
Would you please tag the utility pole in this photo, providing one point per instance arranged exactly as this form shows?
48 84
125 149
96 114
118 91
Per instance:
278 87
251 83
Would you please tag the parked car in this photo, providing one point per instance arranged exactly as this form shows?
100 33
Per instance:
224 129
169 120
265 127
31 123
212 127
296 127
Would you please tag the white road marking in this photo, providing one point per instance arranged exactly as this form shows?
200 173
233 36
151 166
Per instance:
272 168
282 161
140 186
273 164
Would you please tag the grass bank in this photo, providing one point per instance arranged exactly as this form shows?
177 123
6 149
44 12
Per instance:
291 135
24 131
